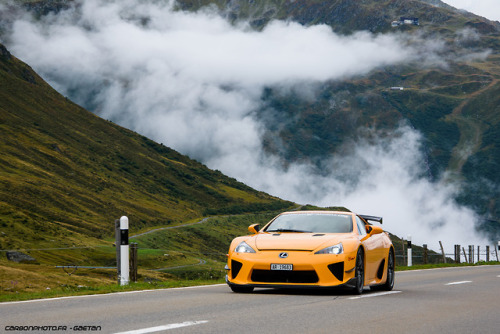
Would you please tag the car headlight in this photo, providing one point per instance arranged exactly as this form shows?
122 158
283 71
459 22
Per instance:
335 249
243 247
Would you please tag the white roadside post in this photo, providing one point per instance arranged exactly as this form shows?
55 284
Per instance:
498 250
124 251
409 251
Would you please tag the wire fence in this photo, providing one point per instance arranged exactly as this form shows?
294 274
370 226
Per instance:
186 265
101 261
462 254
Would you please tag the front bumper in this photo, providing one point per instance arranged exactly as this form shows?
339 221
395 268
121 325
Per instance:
309 269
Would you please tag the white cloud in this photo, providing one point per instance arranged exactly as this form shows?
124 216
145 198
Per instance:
489 9
183 67
193 82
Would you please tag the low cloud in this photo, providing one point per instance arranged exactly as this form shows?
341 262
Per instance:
193 81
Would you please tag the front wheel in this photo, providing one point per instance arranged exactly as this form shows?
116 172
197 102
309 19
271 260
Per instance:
359 273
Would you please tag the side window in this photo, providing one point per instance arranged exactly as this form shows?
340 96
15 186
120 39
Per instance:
361 226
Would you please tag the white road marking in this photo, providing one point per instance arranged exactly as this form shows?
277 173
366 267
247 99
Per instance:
164 327
461 282
376 294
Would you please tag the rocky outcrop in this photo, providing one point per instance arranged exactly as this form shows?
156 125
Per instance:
19 257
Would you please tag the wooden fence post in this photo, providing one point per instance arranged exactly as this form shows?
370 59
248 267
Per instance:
457 253
117 245
425 253
133 262
487 253
465 255
404 252
442 251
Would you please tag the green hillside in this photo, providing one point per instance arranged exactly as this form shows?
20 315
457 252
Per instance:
66 174
453 103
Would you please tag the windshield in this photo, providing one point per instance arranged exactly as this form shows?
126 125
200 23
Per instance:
314 223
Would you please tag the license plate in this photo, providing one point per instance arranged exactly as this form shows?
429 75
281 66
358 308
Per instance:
276 266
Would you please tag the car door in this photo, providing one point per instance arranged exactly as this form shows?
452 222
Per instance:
374 250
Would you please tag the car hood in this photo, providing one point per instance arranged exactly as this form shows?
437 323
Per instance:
296 241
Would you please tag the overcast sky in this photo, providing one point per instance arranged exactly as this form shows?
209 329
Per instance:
193 81
486 8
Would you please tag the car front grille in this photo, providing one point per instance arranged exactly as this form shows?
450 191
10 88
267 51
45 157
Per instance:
278 276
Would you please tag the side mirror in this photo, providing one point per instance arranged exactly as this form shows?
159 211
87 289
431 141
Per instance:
255 228
371 229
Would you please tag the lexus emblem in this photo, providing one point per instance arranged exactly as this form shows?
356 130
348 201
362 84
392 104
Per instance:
284 255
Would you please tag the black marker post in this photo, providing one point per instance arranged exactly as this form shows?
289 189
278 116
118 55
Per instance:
409 252
124 251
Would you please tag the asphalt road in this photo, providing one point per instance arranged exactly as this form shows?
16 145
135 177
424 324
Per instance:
452 300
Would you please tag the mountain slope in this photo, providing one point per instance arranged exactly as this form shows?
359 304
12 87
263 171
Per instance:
346 16
453 103
67 174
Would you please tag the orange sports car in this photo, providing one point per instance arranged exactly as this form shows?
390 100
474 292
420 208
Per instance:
312 249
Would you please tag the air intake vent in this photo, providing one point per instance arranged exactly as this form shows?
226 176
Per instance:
380 271
235 268
337 270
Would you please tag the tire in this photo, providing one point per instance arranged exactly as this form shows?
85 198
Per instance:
241 289
359 273
389 283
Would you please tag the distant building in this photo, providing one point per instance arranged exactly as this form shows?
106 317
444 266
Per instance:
405 20
409 20
397 88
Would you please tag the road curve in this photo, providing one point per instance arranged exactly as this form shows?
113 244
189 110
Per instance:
451 300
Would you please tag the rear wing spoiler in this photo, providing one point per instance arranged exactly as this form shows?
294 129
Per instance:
372 218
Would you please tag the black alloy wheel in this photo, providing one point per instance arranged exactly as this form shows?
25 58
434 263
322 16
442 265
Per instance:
359 273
